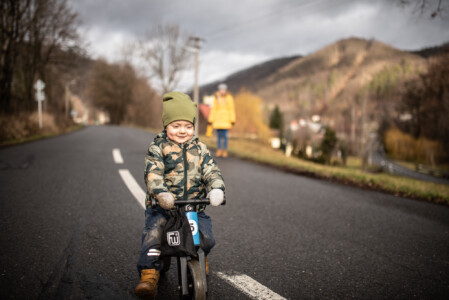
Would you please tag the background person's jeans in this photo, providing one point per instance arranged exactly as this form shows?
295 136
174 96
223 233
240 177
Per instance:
155 220
222 138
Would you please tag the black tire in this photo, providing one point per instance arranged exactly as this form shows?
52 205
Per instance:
195 280
166 262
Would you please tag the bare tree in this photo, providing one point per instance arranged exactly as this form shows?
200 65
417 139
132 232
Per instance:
123 94
164 49
146 107
52 28
12 32
426 100
110 88
33 35
435 7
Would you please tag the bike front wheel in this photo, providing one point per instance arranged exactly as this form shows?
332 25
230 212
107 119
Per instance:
166 262
197 288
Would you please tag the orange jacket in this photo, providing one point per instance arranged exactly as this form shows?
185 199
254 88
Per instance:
222 114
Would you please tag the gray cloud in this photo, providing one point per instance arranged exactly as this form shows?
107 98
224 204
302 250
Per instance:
267 28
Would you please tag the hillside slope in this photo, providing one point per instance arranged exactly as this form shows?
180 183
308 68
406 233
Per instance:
250 77
348 83
333 80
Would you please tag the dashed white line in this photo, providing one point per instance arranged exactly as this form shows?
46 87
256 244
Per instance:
250 287
118 159
133 186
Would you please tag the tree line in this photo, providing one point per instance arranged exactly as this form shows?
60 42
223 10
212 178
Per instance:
39 40
426 103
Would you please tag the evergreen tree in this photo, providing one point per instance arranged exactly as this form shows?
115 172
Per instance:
276 119
328 144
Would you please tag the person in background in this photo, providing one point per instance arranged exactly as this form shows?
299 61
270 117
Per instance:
222 118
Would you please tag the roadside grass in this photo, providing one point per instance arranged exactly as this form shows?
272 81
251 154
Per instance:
353 162
351 174
40 136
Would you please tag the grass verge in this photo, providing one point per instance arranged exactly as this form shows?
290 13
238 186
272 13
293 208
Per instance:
392 184
40 136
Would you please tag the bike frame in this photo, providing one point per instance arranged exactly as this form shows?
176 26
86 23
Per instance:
192 216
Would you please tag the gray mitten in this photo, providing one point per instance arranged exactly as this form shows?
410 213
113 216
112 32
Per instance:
166 200
216 197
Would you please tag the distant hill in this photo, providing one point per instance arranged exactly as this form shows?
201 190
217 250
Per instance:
249 77
330 81
338 82
432 51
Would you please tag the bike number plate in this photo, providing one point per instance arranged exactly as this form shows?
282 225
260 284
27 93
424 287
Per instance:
192 216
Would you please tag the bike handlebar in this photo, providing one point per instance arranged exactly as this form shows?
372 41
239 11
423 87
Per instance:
196 201
193 201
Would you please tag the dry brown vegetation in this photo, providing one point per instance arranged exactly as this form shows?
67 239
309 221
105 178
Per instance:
250 117
23 125
405 147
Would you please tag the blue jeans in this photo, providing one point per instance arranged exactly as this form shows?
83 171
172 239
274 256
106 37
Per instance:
155 220
222 135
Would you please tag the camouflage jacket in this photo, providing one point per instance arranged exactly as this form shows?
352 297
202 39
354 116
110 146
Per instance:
188 171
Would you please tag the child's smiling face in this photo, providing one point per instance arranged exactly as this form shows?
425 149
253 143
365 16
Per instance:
180 131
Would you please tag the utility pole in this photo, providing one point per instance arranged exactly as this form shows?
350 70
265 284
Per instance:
67 100
364 138
197 48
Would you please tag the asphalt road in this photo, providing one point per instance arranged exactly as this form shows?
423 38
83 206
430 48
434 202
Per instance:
71 229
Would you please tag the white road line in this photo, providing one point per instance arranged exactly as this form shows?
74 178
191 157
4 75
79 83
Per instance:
118 159
250 287
133 186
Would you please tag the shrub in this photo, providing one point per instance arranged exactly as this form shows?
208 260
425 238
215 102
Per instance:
328 144
249 117
24 125
403 146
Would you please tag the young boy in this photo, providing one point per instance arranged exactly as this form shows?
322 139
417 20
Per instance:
178 166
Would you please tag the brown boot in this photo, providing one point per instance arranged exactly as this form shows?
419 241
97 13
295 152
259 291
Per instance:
147 287
219 152
225 153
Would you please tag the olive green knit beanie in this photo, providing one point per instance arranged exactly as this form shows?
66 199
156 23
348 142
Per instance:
177 106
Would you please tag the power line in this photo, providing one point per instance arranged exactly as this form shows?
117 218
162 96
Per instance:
326 4
226 28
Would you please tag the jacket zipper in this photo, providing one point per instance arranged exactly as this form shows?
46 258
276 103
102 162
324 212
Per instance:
186 166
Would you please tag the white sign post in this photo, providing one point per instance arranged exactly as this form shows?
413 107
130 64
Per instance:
40 96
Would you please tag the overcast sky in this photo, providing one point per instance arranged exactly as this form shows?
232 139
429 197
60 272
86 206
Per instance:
241 33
